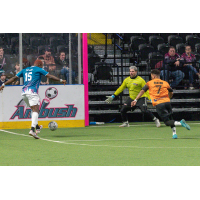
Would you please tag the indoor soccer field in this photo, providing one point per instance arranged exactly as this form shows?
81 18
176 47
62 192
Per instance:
141 144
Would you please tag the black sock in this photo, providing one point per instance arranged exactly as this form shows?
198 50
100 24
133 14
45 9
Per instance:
37 126
33 129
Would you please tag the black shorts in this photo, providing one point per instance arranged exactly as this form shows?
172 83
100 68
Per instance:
141 103
164 110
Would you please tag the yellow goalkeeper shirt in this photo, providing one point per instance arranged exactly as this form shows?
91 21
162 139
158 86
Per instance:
134 86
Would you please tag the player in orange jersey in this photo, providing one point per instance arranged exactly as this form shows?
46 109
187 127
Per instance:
161 93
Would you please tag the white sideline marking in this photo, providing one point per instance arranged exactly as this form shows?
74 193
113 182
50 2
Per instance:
91 145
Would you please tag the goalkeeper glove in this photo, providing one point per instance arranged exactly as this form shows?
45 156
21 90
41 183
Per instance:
109 99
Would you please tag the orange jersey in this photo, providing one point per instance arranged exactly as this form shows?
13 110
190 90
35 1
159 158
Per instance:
158 90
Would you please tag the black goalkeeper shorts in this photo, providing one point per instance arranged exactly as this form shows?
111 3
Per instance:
141 103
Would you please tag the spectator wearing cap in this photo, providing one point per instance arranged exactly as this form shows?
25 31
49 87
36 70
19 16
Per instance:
48 59
3 78
5 65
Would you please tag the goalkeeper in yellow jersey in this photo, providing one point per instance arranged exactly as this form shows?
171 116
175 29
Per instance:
134 83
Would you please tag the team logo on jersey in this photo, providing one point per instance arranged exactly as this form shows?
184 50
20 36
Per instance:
68 111
135 84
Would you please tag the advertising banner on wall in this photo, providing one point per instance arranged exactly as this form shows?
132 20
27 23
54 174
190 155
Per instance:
63 104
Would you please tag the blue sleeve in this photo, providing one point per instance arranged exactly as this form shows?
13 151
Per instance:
20 74
43 72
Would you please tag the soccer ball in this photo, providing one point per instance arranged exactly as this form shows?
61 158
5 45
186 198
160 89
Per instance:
51 93
53 126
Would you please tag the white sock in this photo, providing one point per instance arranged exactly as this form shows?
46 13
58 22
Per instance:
154 118
176 123
174 130
34 119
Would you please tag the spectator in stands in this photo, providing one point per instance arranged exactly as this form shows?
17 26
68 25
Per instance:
188 63
17 70
44 79
26 63
3 78
172 68
5 65
49 59
63 66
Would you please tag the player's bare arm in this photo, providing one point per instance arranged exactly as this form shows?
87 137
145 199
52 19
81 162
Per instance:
55 78
144 89
133 103
8 82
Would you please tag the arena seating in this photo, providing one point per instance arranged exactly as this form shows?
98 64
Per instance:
185 102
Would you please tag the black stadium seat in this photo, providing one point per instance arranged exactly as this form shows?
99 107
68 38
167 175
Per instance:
147 35
7 50
36 41
144 50
180 48
183 36
192 40
136 41
154 58
127 36
165 36
197 47
15 42
49 35
56 41
63 48
25 50
66 36
8 37
163 48
197 55
173 40
41 49
103 71
1 41
155 41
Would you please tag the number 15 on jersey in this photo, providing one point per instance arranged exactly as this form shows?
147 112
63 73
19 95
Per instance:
28 76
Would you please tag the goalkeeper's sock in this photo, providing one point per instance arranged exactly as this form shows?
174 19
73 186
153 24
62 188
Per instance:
174 130
34 119
176 123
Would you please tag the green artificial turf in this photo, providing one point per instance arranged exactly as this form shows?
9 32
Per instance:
141 144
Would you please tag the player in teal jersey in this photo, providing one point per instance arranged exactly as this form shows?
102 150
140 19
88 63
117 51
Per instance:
134 83
32 77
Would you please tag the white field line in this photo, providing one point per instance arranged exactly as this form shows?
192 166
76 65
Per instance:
91 145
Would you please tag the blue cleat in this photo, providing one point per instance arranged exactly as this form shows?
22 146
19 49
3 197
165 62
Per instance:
183 123
175 136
